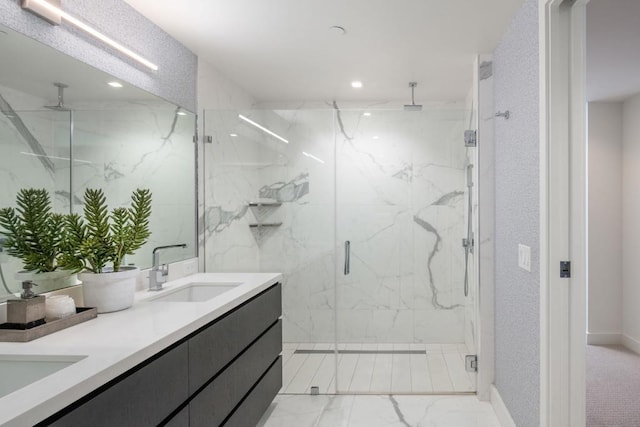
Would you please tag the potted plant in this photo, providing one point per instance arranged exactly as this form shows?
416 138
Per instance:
97 244
35 235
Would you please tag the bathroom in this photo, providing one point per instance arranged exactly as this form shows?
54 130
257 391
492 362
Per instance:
396 184
364 224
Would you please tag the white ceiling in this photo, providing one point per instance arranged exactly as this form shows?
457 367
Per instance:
613 49
283 50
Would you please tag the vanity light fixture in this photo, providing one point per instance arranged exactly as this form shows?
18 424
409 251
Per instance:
51 11
262 128
313 157
356 84
116 85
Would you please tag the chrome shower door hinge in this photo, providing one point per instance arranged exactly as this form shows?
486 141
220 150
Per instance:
468 244
471 362
470 138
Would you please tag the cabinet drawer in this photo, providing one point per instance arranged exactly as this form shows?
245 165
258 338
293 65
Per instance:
216 345
218 399
143 398
181 419
257 402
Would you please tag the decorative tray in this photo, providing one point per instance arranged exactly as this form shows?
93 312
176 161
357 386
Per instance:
14 333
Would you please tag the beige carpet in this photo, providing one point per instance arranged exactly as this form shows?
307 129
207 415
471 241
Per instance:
613 387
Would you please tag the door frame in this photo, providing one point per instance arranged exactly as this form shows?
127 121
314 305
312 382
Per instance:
562 211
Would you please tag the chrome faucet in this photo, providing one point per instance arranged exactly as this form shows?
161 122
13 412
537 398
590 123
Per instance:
158 273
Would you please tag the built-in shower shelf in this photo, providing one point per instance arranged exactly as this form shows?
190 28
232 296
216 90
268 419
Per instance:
266 224
265 204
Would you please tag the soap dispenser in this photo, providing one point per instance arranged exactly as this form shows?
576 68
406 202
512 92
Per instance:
28 311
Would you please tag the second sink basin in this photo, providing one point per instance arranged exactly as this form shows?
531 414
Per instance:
196 292
18 371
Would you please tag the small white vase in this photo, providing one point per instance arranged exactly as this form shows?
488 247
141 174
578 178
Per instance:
110 291
48 281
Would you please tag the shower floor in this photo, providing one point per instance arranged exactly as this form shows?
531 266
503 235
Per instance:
376 368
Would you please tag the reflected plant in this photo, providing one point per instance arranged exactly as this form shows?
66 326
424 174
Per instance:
33 233
100 238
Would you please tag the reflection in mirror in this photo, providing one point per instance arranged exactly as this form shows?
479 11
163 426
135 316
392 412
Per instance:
94 136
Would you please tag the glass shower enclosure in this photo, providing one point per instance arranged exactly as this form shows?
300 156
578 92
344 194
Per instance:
363 211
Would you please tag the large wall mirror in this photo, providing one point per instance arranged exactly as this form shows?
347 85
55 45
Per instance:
93 136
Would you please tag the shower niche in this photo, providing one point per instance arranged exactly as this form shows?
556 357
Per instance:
266 218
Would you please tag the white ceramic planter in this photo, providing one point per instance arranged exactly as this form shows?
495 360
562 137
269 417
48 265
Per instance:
49 281
110 291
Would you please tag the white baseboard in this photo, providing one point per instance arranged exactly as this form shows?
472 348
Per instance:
631 343
502 413
604 338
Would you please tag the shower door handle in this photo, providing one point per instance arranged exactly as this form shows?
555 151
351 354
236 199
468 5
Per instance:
347 256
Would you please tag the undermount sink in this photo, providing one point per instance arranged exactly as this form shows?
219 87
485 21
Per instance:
196 292
18 371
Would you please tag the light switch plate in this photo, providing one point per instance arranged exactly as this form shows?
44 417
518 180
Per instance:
524 257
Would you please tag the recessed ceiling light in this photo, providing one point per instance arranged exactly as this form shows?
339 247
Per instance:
356 84
376 137
367 114
181 113
233 135
115 84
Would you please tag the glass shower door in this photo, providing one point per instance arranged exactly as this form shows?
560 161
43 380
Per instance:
400 217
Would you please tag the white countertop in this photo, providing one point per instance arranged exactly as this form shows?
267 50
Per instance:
115 342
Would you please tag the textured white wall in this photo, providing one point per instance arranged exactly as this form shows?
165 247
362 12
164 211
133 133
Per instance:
631 225
218 92
605 222
517 216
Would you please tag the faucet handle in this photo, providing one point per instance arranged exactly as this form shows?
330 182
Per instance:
164 269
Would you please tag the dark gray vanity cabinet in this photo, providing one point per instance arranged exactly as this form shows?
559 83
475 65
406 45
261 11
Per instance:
226 373
143 398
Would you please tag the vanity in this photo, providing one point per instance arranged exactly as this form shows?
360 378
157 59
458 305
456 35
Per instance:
203 352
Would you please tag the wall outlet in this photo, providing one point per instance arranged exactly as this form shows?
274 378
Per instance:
524 257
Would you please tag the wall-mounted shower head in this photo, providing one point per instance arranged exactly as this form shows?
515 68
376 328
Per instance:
413 106
60 107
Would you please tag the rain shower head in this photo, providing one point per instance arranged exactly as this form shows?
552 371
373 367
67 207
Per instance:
413 106
60 106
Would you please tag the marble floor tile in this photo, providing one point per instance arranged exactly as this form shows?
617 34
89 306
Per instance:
379 411
377 368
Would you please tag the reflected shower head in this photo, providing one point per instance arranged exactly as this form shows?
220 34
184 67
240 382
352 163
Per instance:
413 106
60 106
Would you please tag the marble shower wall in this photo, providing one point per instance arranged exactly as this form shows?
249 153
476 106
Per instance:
398 181
400 203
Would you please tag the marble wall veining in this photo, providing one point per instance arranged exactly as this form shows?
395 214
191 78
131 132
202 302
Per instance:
391 183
